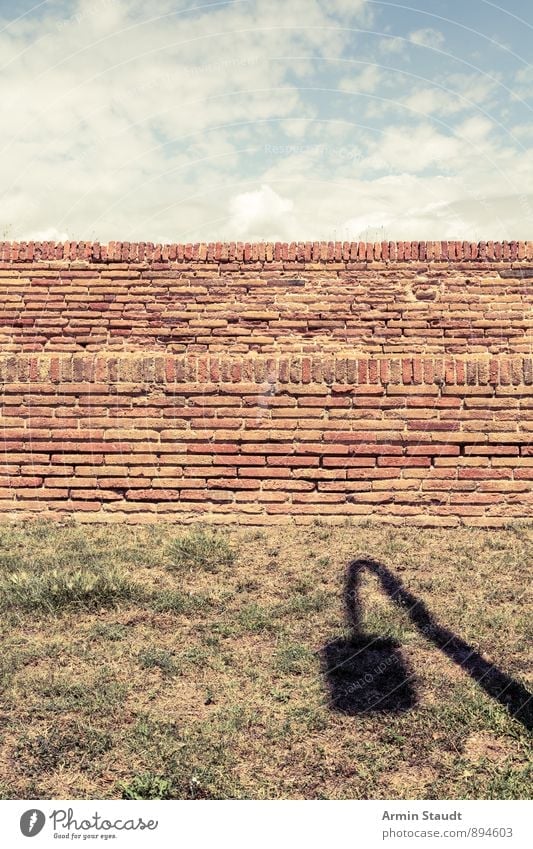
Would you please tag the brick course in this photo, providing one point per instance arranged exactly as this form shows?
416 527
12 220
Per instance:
257 383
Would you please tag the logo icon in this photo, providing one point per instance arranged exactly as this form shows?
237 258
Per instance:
32 822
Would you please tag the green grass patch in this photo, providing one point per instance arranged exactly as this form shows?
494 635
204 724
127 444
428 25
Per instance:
60 589
200 550
155 658
181 603
293 659
146 786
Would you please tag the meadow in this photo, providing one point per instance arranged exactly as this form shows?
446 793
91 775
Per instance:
172 662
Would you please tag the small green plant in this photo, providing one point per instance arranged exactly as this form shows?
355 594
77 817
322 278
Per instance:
257 536
280 695
200 551
320 530
175 601
10 562
254 618
293 659
247 586
299 606
153 658
114 631
146 786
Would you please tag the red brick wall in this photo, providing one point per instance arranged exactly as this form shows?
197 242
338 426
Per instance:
259 382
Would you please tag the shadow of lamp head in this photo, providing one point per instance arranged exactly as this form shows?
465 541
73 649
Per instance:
365 673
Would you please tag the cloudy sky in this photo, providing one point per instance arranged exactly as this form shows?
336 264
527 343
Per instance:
185 120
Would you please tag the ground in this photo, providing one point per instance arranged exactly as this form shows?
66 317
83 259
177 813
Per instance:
170 662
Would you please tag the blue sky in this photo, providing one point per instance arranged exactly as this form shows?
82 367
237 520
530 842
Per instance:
264 119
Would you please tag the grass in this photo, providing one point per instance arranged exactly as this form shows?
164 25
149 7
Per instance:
154 658
58 589
200 550
146 786
74 744
157 662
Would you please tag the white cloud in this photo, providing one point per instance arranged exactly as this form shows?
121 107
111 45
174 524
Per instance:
390 44
414 149
428 101
523 83
367 80
476 87
427 37
475 129
454 93
261 214
349 9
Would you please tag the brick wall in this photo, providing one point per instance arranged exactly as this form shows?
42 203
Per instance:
254 383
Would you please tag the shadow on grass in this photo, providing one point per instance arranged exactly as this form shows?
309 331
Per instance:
367 674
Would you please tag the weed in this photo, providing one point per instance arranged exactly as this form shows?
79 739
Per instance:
257 536
293 659
197 656
301 605
176 601
310 718
247 586
58 693
320 530
157 738
281 695
200 551
146 786
151 658
113 631
254 618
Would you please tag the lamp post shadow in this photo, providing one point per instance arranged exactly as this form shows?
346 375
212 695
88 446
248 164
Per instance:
367 674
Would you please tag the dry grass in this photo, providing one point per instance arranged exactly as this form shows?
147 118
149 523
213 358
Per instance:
170 677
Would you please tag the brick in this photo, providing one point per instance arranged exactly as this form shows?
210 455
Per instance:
493 450
432 450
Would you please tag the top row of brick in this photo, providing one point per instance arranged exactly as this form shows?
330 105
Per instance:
267 252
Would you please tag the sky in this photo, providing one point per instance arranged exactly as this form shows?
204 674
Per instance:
275 120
